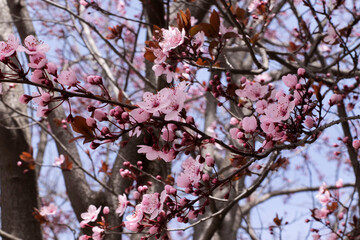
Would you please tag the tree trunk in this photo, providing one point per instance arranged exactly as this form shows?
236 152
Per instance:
19 193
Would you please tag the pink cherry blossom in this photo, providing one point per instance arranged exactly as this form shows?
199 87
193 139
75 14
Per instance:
151 154
91 215
301 72
252 90
37 60
150 204
152 103
280 111
356 144
261 106
33 46
42 108
100 115
38 77
263 78
59 160
168 133
176 102
172 39
290 80
161 69
97 233
333 236
94 80
191 173
51 68
254 5
106 210
339 183
84 237
153 230
84 3
331 36
321 214
335 98
159 60
48 210
9 47
309 122
136 217
167 156
67 78
199 40
249 124
316 236
121 205
323 195
139 115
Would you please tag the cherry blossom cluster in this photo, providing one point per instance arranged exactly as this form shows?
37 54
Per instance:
155 210
331 207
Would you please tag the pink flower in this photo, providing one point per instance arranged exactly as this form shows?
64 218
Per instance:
168 133
309 122
84 3
9 47
38 77
167 101
37 60
33 46
316 236
323 195
151 154
339 183
335 98
321 214
84 237
94 80
176 102
153 230
97 233
136 216
159 60
121 205
261 106
121 7
252 90
91 215
152 103
254 5
68 78
48 210
150 204
51 68
301 72
331 35
167 156
249 124
356 144
280 111
172 39
290 80
139 115
191 173
263 78
100 115
106 210
333 236
199 40
59 160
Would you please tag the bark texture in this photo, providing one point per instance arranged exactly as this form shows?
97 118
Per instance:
19 193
